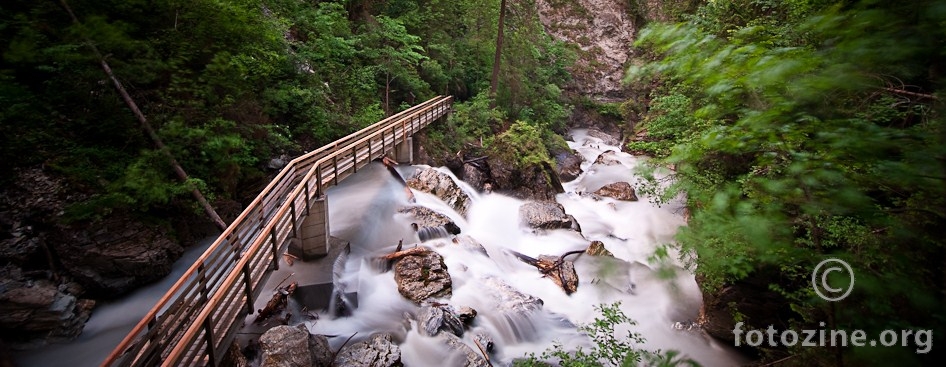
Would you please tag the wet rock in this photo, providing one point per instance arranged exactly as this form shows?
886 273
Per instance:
440 184
569 166
377 351
285 346
425 217
321 350
469 243
475 176
546 215
36 312
509 299
422 276
466 315
462 354
608 158
434 319
605 137
562 273
596 248
618 190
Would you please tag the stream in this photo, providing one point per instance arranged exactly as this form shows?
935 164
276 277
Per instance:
364 212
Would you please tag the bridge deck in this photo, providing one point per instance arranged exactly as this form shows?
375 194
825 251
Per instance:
195 322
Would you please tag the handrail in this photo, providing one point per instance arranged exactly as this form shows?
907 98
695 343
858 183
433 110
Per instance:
240 257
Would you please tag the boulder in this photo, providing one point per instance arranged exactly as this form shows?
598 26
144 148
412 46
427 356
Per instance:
285 346
422 276
469 243
569 166
617 190
443 186
466 315
605 137
563 274
474 176
596 248
425 217
531 182
434 319
508 299
546 215
377 351
608 158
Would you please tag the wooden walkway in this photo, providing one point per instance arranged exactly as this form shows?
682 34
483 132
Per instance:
195 322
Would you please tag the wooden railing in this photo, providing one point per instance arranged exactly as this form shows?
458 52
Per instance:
195 322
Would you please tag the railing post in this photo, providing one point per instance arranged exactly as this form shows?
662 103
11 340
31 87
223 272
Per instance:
307 205
272 237
292 215
248 288
354 159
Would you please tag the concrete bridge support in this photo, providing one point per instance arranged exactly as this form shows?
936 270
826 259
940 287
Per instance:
404 151
312 241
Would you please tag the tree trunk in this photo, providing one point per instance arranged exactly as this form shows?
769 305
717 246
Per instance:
494 81
146 126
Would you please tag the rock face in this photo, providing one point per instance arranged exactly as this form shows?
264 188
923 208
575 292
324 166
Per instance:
285 346
618 190
377 351
109 257
546 215
441 185
111 260
569 166
604 30
753 299
564 274
608 158
33 313
434 319
470 243
422 276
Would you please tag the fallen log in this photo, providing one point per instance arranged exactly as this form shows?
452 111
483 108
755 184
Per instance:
409 252
561 271
277 303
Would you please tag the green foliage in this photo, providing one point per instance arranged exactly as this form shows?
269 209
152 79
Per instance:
609 349
800 131
523 144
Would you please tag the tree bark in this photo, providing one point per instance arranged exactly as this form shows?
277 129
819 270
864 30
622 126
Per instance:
146 126
494 80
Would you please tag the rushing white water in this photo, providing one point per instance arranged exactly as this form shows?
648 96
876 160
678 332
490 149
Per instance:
363 210
111 322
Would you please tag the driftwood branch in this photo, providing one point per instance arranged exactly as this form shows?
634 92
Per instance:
277 303
146 126
561 272
483 351
912 94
